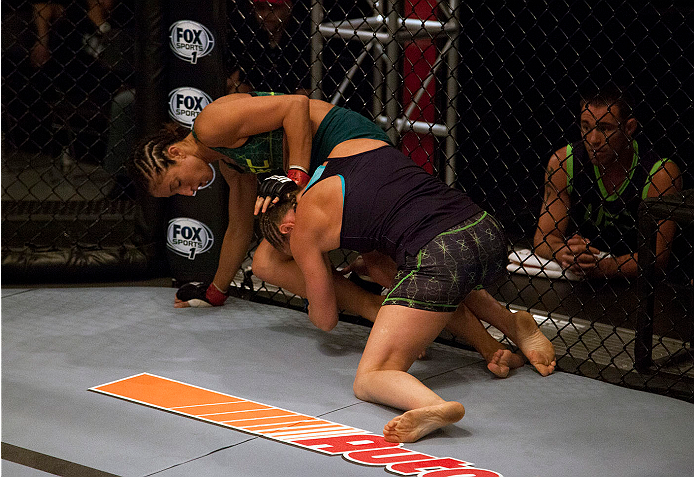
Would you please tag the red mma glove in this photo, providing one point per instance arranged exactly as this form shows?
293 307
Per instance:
199 295
299 175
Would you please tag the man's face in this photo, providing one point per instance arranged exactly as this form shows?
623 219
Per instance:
606 135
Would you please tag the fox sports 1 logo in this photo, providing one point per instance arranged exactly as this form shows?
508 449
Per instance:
190 40
185 104
188 237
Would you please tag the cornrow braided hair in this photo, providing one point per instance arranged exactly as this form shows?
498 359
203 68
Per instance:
149 158
271 219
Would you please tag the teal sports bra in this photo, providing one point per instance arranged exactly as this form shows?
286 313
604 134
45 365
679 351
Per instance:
260 153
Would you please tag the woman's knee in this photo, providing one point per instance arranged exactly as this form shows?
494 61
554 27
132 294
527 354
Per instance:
360 387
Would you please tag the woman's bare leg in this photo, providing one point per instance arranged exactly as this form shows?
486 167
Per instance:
520 327
397 337
500 360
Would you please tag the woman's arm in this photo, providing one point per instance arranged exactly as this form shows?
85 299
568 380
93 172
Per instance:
239 233
375 265
230 119
316 232
235 244
320 289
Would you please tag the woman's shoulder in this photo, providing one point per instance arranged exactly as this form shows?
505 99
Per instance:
214 122
229 98
319 109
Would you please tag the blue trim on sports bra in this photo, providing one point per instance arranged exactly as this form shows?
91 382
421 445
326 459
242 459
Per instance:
316 177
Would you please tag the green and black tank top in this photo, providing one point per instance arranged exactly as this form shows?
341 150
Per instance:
609 221
338 126
260 153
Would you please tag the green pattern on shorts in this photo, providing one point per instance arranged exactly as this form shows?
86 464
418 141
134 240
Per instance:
455 262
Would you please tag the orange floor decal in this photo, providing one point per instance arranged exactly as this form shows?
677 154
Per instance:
355 445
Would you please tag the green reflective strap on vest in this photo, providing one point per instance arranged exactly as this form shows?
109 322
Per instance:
569 168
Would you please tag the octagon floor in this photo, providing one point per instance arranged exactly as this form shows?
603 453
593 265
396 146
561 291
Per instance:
60 345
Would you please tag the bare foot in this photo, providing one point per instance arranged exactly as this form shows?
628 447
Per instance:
504 361
534 345
417 423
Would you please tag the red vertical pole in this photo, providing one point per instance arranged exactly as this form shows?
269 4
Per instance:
420 56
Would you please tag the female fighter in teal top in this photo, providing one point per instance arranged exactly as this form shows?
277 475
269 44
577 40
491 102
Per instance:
254 133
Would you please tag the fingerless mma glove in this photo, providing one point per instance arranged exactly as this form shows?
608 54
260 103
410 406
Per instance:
276 186
199 295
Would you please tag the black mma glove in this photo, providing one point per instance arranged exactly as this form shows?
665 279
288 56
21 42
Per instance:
276 186
199 295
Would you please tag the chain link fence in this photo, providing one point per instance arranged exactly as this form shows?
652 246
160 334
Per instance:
480 93
67 73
